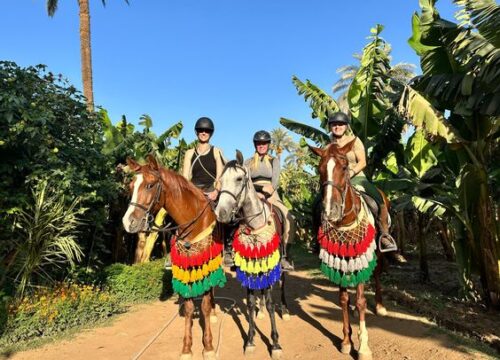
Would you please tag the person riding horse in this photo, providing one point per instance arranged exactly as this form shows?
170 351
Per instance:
265 172
338 124
203 164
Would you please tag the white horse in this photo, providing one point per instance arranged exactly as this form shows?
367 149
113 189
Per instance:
256 244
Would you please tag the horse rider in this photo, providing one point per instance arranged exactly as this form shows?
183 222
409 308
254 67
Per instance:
203 166
264 170
338 124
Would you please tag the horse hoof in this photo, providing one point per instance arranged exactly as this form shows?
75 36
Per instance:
380 310
365 356
249 349
209 355
286 316
260 315
213 319
277 354
345 348
188 356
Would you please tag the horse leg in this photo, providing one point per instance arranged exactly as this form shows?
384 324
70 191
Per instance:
213 312
206 309
276 350
250 345
379 307
346 345
260 306
364 352
285 314
188 325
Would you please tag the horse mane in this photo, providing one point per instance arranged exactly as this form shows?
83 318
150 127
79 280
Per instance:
232 164
177 184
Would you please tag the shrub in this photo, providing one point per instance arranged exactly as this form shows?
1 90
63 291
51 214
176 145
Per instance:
52 310
139 282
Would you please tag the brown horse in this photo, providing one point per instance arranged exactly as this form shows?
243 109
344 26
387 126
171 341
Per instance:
196 248
347 239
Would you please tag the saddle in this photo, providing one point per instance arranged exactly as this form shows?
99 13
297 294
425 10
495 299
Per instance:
278 218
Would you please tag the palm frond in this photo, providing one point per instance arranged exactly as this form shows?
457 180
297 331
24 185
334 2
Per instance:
320 102
316 135
52 7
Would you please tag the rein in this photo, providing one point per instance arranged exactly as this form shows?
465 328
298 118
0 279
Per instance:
149 218
238 196
343 195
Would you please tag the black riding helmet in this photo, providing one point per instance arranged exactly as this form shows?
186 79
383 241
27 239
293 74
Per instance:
204 123
338 117
262 136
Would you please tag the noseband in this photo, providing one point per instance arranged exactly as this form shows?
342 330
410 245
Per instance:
343 193
238 196
148 216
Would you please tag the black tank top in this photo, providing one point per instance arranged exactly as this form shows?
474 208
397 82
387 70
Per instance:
204 170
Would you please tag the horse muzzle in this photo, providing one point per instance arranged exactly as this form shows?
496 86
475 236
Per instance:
133 225
224 216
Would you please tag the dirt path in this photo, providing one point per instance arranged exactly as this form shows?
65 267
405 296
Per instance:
313 332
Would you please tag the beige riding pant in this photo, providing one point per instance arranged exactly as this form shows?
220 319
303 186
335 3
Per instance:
289 225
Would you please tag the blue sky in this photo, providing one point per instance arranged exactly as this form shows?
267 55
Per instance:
230 60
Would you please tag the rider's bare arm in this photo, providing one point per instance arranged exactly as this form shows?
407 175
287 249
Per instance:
186 166
359 151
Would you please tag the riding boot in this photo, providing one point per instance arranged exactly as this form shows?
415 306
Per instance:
228 245
386 242
286 260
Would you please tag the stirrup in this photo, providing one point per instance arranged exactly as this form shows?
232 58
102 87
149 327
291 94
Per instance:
287 265
168 263
389 247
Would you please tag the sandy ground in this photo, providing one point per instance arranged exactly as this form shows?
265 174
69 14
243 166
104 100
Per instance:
313 332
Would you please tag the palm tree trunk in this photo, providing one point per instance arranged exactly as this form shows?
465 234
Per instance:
85 51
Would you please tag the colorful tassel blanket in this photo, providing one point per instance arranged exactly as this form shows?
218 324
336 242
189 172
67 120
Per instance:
257 256
348 253
197 265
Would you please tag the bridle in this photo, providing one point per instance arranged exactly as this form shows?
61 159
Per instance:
149 217
343 193
239 195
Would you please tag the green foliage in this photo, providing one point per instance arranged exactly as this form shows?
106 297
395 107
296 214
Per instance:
139 282
47 132
45 236
49 311
367 94
461 74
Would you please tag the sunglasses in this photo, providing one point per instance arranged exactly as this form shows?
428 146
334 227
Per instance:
201 131
337 124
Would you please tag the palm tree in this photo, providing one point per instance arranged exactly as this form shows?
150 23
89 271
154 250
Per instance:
85 48
281 141
401 72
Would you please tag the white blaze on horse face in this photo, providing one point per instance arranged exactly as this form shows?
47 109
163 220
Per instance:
131 208
329 188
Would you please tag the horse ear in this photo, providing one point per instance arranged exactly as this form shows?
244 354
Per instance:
133 165
153 163
239 157
347 147
318 151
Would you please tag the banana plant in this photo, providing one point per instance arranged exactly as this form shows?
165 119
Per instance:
461 77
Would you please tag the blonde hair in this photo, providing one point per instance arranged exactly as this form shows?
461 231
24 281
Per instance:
256 158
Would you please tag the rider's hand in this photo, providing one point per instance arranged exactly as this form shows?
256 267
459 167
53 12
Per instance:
268 189
213 195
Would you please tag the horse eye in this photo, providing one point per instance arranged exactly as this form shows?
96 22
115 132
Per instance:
239 178
149 186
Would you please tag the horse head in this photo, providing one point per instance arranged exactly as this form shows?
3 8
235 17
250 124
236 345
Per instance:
334 178
234 185
146 190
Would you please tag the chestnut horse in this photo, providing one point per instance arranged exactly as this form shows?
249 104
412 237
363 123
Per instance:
196 248
347 238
